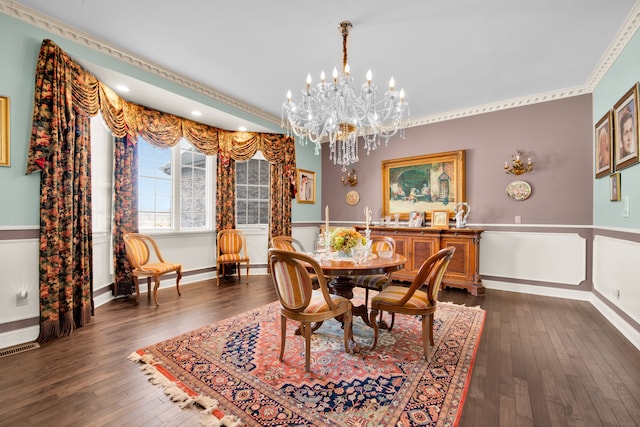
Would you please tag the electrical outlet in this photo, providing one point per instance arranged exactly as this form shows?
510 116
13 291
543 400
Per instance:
22 300
518 219
625 206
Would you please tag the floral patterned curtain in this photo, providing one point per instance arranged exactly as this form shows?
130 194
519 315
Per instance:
65 97
61 150
225 192
125 210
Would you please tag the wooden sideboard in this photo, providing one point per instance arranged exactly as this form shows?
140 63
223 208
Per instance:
417 244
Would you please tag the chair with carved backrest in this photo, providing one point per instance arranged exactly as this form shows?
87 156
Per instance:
413 301
147 261
301 303
231 248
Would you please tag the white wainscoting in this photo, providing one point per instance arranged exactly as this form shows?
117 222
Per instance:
19 266
306 235
616 267
538 257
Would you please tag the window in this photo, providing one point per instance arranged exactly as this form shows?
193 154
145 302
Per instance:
252 191
174 187
101 175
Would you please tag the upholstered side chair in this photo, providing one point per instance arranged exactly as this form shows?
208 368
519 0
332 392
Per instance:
301 303
376 282
147 261
231 248
414 301
288 243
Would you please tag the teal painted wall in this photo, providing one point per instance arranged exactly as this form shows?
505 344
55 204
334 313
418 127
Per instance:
19 48
621 76
308 160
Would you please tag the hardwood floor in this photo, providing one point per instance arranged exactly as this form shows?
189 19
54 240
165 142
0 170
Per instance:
541 362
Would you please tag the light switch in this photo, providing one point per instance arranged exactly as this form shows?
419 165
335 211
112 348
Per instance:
625 206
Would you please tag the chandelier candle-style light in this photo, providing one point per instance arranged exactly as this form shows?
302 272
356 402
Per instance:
336 111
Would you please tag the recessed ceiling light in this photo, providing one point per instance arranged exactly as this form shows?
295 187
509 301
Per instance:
196 113
242 128
122 88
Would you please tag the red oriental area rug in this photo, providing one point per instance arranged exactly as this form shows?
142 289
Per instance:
231 369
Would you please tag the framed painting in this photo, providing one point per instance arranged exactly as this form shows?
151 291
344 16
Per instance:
5 146
614 188
433 182
440 219
625 119
306 186
603 145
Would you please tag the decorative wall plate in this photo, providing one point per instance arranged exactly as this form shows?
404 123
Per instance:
519 190
353 197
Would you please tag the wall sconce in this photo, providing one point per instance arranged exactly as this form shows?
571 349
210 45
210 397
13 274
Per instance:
351 179
518 167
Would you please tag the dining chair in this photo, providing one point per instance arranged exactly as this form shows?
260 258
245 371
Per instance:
413 301
287 243
231 248
376 282
300 302
147 261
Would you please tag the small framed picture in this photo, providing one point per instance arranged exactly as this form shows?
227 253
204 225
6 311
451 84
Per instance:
306 186
416 219
625 123
440 219
603 133
614 187
5 147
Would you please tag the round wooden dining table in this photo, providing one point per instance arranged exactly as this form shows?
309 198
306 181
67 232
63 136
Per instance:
342 271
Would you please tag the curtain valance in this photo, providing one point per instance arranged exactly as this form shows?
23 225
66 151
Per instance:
124 118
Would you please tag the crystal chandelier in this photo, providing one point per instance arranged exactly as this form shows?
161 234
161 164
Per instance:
335 111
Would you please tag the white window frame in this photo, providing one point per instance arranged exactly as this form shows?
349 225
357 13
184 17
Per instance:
257 156
176 193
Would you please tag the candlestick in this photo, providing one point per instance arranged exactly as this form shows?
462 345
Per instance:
326 218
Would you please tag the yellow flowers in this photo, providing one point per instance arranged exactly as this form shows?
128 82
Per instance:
343 239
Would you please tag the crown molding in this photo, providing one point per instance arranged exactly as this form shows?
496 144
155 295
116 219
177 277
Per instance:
500 105
619 42
627 30
87 40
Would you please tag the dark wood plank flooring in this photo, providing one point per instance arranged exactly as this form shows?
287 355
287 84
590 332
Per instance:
541 362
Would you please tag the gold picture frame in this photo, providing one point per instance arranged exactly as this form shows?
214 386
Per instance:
440 219
625 134
604 145
614 187
5 143
433 182
306 185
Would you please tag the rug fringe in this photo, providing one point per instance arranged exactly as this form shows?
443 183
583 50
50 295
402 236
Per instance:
215 418
475 307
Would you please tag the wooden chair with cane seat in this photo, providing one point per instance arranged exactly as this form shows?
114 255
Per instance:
376 282
412 300
147 261
301 303
231 248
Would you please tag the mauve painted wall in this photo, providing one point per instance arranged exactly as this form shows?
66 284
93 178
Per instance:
556 134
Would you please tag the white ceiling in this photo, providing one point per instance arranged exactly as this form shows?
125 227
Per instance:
451 57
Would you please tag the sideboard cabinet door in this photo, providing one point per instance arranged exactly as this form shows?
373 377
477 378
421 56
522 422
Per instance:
418 244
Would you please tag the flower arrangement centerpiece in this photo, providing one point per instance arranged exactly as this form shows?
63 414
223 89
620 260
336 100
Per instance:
343 239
